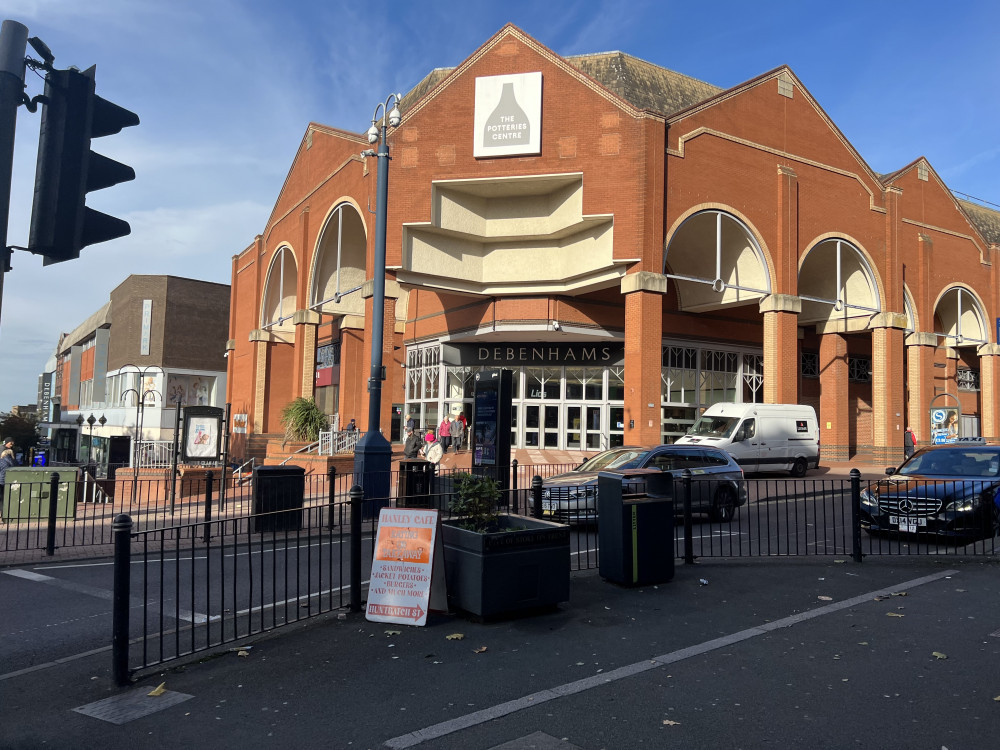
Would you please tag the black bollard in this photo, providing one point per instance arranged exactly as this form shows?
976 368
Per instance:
536 496
121 530
357 496
688 523
50 536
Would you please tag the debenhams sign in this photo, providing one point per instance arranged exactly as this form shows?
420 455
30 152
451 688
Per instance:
534 354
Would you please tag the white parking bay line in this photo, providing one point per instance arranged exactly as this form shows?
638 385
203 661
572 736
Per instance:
99 593
578 686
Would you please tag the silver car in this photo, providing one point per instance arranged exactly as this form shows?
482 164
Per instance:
718 487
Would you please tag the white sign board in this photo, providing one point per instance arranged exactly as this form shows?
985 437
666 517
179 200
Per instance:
407 577
508 115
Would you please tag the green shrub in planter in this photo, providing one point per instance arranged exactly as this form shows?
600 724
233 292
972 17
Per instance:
303 420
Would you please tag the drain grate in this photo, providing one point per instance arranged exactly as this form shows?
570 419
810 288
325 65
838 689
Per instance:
120 709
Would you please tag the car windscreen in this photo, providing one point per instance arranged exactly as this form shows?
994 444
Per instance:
718 427
953 462
620 459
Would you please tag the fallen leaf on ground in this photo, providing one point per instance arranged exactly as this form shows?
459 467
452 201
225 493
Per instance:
825 598
479 650
899 593
881 597
243 652
894 614
703 581
455 637
939 655
669 723
393 632
158 690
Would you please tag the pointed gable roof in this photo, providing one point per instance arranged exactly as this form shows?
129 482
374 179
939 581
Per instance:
986 220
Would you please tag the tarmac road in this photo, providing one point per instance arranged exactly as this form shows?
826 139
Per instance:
765 653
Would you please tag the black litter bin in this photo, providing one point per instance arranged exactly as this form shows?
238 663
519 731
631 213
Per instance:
278 493
636 527
415 478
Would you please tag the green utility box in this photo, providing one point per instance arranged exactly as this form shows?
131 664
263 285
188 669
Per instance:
27 490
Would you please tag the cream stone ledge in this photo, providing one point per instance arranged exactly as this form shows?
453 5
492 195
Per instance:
352 322
230 345
989 350
781 303
259 334
392 289
644 281
851 325
301 317
888 320
921 339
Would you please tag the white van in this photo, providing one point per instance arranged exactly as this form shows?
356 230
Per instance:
761 437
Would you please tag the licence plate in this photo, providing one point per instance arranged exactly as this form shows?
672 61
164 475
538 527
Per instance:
905 523
548 506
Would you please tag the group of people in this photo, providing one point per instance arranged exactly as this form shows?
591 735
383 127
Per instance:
434 444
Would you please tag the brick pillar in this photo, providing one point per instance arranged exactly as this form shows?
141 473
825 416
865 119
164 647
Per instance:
920 351
989 391
354 357
261 341
834 416
781 348
306 322
888 412
643 360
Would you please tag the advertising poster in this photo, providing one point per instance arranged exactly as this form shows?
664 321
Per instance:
202 437
944 424
405 578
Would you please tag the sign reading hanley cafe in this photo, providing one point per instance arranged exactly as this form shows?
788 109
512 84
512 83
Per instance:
535 354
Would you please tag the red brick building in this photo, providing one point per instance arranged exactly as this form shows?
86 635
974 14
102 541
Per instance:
635 245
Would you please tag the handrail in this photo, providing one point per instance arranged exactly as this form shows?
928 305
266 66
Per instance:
304 449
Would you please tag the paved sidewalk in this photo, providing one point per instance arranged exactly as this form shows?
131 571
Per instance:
766 653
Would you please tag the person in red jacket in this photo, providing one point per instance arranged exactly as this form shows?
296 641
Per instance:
444 433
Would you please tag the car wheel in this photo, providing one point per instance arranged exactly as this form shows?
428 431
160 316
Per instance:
799 467
724 506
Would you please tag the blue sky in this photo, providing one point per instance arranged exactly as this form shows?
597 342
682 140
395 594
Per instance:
226 88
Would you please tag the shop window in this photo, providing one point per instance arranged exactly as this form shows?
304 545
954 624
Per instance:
859 369
542 382
968 380
584 384
809 364
616 384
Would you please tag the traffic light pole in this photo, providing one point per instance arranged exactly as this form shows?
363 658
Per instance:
13 45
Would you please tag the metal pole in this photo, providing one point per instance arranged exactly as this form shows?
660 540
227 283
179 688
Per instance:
13 44
378 298
173 458
357 497
856 515
121 529
331 496
225 460
688 523
208 507
50 537
536 492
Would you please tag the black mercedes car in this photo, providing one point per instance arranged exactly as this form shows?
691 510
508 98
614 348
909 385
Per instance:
946 490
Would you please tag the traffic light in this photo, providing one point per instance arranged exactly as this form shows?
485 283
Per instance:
61 223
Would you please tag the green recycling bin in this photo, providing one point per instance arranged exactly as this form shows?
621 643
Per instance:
27 490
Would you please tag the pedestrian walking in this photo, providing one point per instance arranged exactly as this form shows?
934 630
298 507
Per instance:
6 461
909 442
455 430
444 434
465 427
410 424
433 450
412 445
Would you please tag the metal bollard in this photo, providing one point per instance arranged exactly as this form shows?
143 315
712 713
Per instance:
513 475
209 477
688 523
121 530
357 496
331 479
856 514
50 536
536 496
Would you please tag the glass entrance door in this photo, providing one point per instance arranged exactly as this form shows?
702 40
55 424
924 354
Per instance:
584 427
541 426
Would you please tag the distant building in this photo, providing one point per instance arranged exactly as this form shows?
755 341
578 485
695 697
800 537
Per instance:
634 245
160 336
26 410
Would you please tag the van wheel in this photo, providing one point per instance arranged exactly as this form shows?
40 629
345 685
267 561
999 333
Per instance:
800 467
724 506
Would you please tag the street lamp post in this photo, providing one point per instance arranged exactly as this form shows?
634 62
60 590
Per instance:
140 408
91 420
373 453
79 423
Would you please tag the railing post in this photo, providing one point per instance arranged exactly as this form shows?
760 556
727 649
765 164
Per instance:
331 479
357 496
121 530
688 524
536 496
50 536
513 475
856 515
209 477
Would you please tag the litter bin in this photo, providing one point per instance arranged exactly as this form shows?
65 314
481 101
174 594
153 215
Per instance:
636 528
278 493
415 477
27 490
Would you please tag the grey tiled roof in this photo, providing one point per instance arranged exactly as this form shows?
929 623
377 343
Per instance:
640 83
986 220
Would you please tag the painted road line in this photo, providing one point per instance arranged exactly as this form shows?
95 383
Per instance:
577 686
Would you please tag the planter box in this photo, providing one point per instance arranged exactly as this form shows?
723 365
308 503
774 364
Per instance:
507 572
